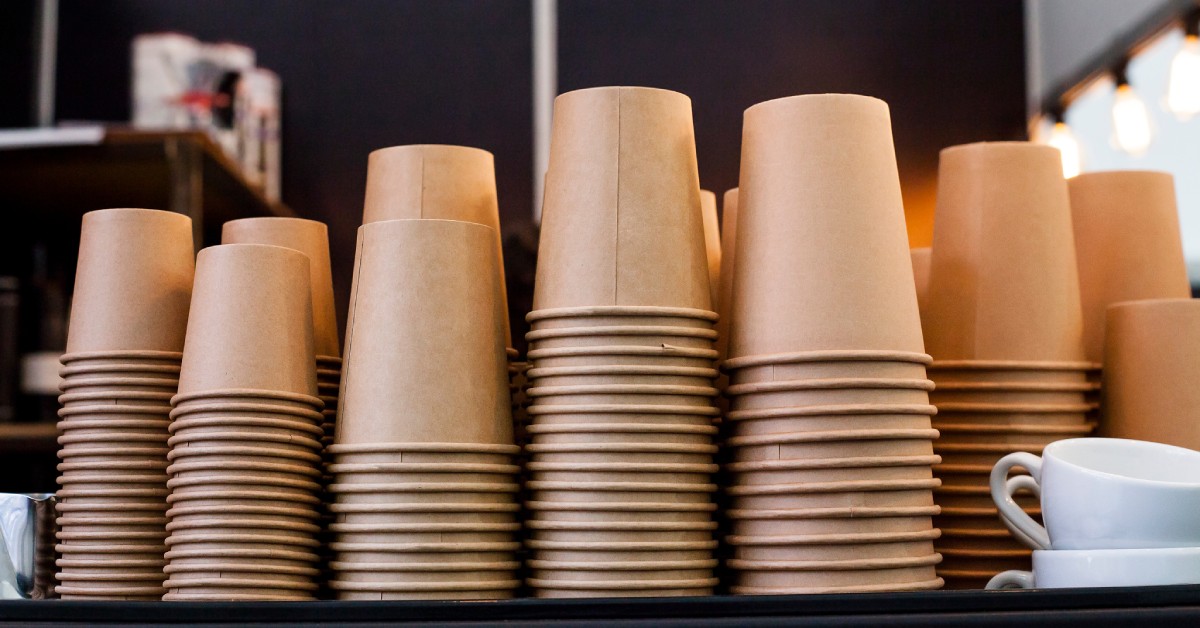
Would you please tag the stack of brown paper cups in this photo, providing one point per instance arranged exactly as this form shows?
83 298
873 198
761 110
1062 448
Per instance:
245 461
425 481
1004 324
1150 371
622 353
829 437
312 239
121 368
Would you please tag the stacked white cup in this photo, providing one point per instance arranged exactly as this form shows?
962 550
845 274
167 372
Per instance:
1117 513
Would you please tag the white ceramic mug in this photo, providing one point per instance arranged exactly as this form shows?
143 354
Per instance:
1060 569
1106 493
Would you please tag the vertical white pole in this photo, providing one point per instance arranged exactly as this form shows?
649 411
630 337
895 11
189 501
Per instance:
46 61
545 88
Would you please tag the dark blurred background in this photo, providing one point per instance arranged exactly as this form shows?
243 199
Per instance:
364 74
359 75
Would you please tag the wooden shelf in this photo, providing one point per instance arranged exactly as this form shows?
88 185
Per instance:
28 437
50 185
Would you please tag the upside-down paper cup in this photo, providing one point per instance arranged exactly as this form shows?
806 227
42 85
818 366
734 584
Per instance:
438 182
1003 281
1127 243
425 359
621 220
251 324
312 239
836 273
133 282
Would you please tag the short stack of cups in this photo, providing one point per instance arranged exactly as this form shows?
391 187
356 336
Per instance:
622 355
1118 513
246 427
132 290
312 239
423 459
828 435
1004 323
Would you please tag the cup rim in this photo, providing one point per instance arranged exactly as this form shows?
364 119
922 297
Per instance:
1052 451
848 355
417 447
664 351
130 354
833 436
833 384
1012 365
556 333
621 310
866 538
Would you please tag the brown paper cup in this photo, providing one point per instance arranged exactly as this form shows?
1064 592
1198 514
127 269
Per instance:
448 305
569 433
827 364
312 239
205 438
128 367
924 585
251 322
712 243
997 289
437 182
623 413
782 548
232 410
920 263
826 418
621 220
635 355
1148 388
646 336
850 248
1127 244
133 282
622 375
267 427
820 522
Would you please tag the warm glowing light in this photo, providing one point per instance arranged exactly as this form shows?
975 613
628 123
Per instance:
1183 89
1131 121
1064 140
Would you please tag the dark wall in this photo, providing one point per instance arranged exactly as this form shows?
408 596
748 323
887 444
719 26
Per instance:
363 74
357 75
951 71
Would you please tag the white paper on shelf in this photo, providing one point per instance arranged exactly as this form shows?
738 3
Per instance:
62 136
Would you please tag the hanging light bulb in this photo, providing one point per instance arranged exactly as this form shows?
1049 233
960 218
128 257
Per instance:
1131 119
1063 139
1183 88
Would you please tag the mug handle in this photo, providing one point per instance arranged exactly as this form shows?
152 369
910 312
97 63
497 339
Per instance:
1014 485
1011 579
1009 510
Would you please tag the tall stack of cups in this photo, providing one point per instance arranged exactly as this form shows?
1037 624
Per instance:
446 183
246 428
1004 324
425 481
829 430
312 239
622 351
132 290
